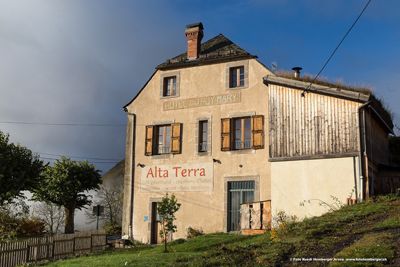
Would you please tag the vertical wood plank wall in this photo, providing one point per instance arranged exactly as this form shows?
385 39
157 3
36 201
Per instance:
377 147
312 125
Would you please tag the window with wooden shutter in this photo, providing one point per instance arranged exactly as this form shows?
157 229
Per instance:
258 131
226 134
149 141
176 138
241 133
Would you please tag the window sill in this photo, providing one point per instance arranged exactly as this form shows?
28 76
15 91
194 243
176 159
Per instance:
203 153
237 88
168 97
242 151
163 156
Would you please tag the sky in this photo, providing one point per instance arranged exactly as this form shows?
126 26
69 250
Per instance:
80 62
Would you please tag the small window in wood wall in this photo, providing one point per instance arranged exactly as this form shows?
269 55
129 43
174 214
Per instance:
242 133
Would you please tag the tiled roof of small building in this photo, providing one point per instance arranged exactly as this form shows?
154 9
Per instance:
217 49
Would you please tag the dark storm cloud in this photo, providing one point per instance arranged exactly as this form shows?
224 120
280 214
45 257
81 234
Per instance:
78 62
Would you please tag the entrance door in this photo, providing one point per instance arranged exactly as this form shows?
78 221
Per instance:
239 192
154 224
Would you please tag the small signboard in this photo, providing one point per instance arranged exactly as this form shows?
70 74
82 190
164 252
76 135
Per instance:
98 210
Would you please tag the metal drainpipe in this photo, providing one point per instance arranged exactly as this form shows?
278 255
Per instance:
132 182
362 151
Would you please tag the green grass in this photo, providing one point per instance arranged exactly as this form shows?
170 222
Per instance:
389 223
367 230
375 245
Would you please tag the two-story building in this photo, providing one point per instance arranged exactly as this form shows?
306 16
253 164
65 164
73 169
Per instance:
217 128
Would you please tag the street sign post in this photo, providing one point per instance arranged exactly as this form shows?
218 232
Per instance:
98 210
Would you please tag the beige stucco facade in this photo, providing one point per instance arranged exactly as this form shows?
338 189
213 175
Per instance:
297 187
205 210
308 188
304 156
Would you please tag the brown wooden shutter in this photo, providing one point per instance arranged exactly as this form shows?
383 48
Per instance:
258 131
225 134
176 138
149 141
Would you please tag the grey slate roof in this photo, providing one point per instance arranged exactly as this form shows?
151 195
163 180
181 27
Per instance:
215 50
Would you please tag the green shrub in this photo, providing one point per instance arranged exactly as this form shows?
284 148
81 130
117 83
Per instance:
13 226
31 227
112 229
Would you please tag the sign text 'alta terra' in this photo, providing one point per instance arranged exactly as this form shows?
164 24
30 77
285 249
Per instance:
177 178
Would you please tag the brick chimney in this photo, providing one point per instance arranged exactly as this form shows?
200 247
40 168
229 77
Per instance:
194 34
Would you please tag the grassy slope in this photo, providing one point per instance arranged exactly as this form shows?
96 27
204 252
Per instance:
367 230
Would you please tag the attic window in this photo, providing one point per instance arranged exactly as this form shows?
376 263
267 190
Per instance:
169 86
236 77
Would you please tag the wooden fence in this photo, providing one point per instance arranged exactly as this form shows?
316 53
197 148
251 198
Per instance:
37 249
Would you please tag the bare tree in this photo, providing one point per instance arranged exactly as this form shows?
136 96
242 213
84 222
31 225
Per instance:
111 200
52 215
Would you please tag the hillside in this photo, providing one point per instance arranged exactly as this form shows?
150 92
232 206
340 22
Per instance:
367 230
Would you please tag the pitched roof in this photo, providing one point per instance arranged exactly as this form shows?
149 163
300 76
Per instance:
328 89
116 171
215 50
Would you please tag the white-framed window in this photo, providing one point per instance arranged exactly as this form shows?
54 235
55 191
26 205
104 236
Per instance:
241 133
203 136
169 86
236 77
163 139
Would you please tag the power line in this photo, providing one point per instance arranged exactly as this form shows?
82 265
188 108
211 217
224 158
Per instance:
78 157
337 47
64 124
97 162
77 124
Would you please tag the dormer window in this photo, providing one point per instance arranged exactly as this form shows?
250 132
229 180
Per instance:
169 86
236 77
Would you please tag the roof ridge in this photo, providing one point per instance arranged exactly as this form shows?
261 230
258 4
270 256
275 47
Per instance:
217 48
